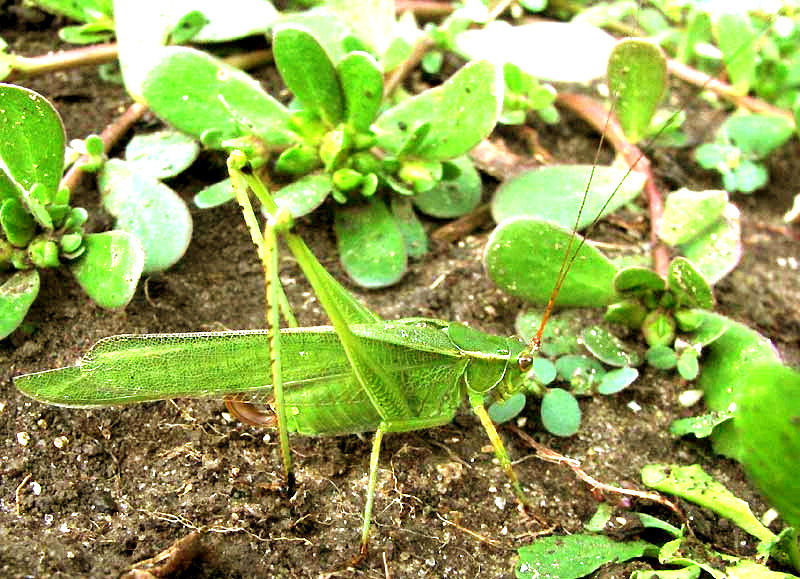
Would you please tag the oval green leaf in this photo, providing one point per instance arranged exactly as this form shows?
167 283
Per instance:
608 348
504 411
371 247
16 296
308 72
556 193
215 195
560 412
411 228
148 209
197 93
637 77
637 280
687 214
717 251
110 268
617 380
451 198
361 78
688 285
162 154
16 223
758 135
301 197
461 112
31 143
523 256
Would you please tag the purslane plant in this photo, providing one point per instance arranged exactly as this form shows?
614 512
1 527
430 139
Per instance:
40 229
340 137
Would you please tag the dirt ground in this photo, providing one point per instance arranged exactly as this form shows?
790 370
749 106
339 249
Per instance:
91 493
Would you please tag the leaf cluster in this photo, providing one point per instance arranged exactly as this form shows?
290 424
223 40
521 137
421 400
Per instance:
40 229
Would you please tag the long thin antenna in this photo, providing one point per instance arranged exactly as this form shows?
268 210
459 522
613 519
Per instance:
572 250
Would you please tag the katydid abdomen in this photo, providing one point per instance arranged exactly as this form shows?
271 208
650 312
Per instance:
322 394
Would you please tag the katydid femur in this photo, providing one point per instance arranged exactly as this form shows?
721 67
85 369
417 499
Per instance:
362 374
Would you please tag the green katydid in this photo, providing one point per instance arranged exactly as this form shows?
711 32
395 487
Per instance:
362 374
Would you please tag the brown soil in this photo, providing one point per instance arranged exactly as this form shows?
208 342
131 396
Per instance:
89 493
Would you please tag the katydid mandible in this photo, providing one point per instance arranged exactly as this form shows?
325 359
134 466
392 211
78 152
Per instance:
362 374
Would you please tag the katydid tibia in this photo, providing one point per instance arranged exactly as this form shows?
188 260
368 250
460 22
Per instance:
362 374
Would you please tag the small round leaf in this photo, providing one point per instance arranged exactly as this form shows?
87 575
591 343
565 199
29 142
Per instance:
617 380
505 410
162 154
560 412
110 268
607 348
689 286
215 195
452 197
371 246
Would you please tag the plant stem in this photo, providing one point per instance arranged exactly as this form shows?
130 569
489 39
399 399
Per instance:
62 60
110 135
596 115
723 89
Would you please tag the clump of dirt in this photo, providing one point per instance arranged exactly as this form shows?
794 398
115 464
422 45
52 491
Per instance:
90 493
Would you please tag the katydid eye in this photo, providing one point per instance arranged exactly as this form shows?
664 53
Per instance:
524 363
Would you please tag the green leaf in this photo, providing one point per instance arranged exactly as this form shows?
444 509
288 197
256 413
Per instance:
758 135
574 556
361 79
16 296
617 380
637 281
607 348
687 214
556 193
16 223
688 285
661 357
110 267
91 33
451 198
737 41
582 372
506 410
309 73
523 256
215 195
560 335
747 177
701 426
197 93
717 156
768 424
544 370
371 247
561 415
162 154
693 484
690 572
148 209
31 143
637 76
302 196
461 112
725 368
411 228
688 365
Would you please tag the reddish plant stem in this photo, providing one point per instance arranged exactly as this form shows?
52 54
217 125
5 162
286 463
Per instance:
596 115
63 59
399 74
704 81
110 135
